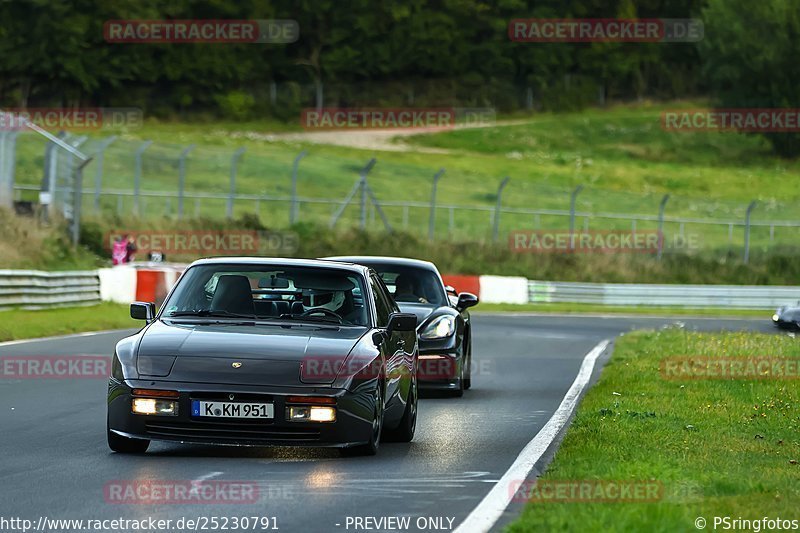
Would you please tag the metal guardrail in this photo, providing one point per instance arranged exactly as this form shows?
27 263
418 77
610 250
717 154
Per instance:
34 289
733 296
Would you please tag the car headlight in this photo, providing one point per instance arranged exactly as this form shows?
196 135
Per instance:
442 327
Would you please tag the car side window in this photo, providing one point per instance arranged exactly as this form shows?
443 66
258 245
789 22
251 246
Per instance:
387 294
381 304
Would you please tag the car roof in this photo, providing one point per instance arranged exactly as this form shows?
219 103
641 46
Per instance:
384 260
283 261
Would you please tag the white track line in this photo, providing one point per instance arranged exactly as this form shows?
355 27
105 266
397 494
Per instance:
489 510
69 336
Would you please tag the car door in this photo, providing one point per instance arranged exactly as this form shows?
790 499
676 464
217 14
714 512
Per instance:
408 338
393 347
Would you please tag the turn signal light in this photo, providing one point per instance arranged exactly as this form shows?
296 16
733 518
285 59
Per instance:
311 399
153 393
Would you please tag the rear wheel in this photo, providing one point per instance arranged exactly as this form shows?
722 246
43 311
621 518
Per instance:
121 444
371 448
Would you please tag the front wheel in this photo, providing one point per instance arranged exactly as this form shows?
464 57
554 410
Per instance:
371 448
468 371
408 424
121 444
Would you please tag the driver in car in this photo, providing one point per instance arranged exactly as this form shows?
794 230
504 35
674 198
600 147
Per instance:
404 290
339 302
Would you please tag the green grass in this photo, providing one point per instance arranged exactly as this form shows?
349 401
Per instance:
23 324
588 309
718 447
622 155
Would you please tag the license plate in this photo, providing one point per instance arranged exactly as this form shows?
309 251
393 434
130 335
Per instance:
232 409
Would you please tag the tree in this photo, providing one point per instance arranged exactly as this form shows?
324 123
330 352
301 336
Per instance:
750 56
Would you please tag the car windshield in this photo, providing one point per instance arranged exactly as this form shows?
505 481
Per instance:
273 292
412 285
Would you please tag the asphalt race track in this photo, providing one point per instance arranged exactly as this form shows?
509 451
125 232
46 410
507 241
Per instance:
55 461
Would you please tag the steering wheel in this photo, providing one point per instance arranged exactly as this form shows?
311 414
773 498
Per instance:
321 310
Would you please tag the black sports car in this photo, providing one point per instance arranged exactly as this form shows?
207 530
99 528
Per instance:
787 317
445 332
251 351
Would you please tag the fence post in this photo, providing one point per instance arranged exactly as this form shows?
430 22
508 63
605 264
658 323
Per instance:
364 173
182 177
69 209
47 194
294 207
137 176
77 186
497 208
7 166
98 175
234 163
363 215
6 200
432 220
661 208
572 199
360 185
747 231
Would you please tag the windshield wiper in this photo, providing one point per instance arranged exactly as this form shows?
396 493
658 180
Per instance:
326 320
209 313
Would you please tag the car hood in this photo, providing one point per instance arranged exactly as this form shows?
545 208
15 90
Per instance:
265 355
422 311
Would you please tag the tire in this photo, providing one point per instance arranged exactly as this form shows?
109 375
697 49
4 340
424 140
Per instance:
404 432
121 444
459 392
468 372
371 448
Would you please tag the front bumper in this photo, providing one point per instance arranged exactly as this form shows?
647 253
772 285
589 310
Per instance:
353 425
439 371
784 324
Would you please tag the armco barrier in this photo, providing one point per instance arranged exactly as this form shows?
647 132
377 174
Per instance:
732 296
34 289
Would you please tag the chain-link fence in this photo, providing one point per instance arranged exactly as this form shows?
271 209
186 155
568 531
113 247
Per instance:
143 179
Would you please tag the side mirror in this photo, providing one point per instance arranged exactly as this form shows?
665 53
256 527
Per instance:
450 290
465 300
143 311
402 322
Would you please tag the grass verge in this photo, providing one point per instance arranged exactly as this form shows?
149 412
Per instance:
579 309
717 447
23 324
